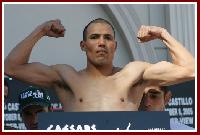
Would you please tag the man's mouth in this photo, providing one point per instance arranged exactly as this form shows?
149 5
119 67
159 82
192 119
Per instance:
101 51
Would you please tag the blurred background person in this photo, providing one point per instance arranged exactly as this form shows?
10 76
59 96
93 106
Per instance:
32 101
6 92
155 98
5 88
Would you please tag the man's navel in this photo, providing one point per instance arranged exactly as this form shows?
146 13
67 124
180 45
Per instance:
122 99
80 100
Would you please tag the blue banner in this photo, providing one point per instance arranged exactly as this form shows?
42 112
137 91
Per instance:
104 121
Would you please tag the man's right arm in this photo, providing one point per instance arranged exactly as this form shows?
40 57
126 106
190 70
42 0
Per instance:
16 63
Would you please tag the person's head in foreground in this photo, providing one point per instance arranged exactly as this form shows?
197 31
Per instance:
155 98
32 101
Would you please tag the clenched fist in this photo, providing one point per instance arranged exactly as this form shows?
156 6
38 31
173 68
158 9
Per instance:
147 33
53 28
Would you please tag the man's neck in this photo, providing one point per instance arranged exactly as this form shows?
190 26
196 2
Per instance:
99 71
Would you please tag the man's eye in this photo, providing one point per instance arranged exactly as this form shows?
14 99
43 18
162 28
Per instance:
108 38
154 96
93 37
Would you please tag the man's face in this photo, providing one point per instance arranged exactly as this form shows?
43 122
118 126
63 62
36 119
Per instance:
100 44
154 99
29 116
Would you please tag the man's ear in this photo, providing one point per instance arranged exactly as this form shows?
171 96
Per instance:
82 45
168 96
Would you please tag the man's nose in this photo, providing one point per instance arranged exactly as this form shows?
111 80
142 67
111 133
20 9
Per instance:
101 42
34 118
147 101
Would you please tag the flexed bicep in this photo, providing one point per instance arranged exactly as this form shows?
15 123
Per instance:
17 63
36 74
166 73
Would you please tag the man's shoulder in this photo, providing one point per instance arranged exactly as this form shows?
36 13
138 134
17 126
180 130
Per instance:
64 70
62 67
116 69
179 126
137 64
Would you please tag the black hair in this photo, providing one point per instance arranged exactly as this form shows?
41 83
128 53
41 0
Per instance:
164 89
98 20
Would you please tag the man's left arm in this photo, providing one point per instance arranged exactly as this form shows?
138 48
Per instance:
182 67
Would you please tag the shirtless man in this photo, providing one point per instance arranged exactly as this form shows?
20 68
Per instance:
100 86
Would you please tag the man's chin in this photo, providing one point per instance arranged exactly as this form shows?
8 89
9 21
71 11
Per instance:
101 62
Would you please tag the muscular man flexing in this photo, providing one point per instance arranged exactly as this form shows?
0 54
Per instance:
100 86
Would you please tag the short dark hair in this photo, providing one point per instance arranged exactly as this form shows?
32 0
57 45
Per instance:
98 20
164 89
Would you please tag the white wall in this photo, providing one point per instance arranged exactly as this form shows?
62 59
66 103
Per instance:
20 20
